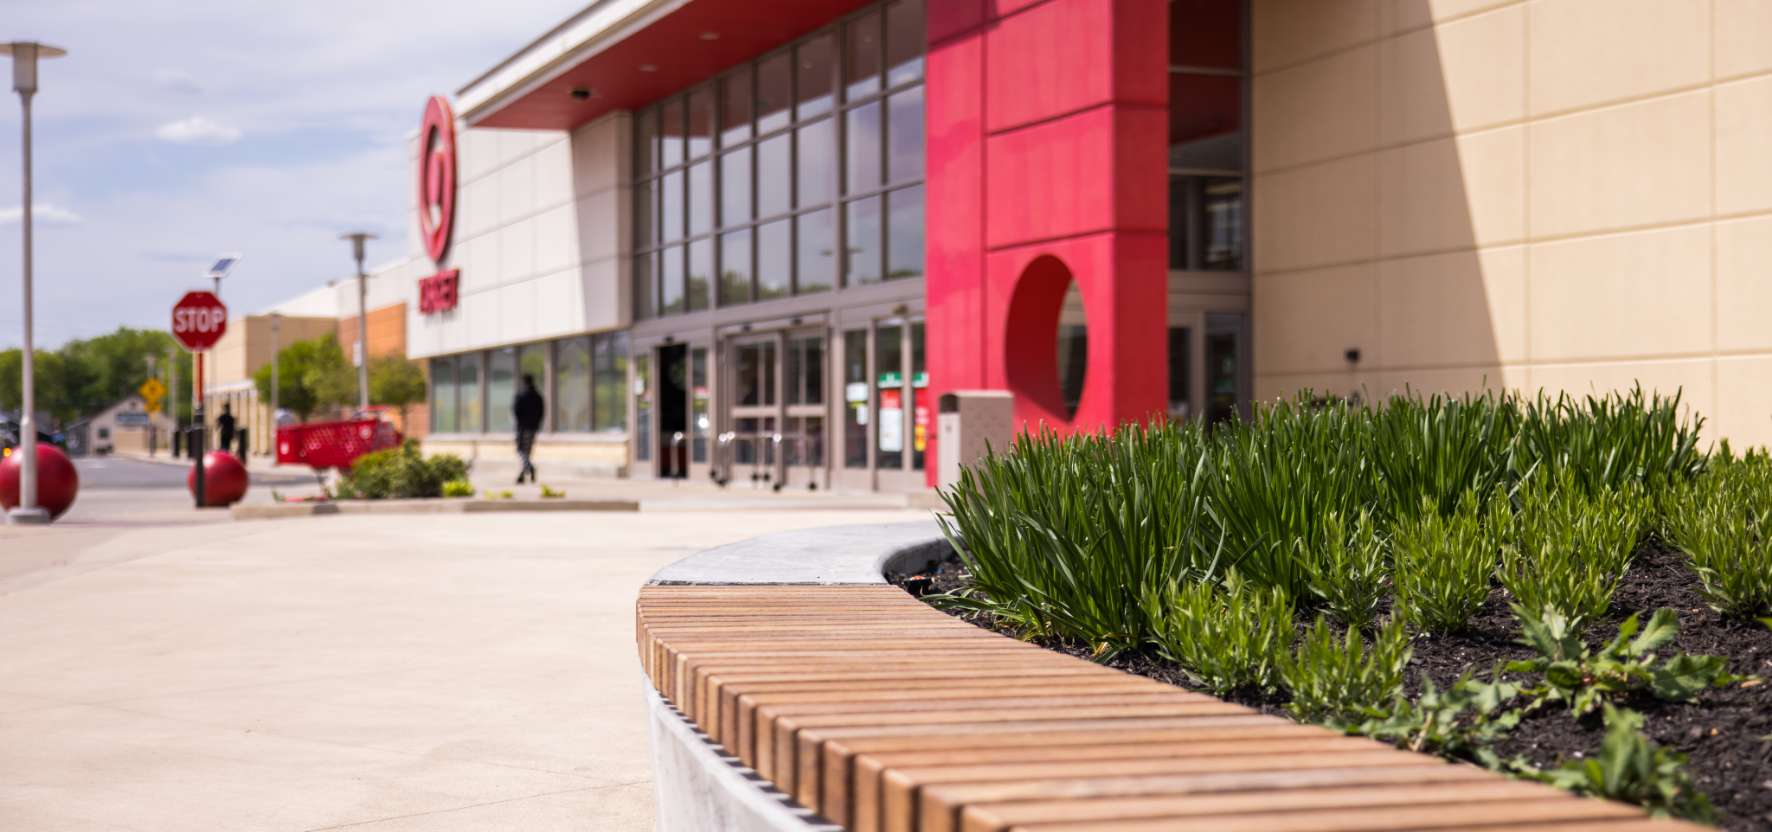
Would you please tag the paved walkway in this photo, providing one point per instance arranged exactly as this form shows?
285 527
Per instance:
375 673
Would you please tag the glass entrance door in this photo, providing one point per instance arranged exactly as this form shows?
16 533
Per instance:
1209 365
887 416
776 415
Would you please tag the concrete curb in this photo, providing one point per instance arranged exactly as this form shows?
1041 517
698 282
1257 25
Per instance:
437 506
699 785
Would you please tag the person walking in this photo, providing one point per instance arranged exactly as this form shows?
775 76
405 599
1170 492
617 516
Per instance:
527 409
224 425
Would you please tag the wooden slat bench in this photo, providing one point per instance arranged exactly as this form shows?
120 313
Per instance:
884 715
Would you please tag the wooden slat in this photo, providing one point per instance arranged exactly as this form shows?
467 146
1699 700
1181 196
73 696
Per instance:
884 715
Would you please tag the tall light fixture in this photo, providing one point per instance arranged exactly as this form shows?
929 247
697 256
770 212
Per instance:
24 82
358 238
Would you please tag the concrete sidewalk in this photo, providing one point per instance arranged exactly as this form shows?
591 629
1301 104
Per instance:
382 673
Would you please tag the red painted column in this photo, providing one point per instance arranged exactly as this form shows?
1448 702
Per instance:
1047 142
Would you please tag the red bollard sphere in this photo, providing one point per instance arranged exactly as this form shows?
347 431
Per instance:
57 481
224 480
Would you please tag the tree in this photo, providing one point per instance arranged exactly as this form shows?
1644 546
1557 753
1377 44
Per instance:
86 376
311 375
396 382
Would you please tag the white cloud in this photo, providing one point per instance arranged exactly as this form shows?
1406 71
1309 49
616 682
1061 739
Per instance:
198 130
42 212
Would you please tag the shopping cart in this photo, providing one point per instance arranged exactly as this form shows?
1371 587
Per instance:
333 445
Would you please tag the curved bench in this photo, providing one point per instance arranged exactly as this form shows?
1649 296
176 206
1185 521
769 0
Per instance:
816 695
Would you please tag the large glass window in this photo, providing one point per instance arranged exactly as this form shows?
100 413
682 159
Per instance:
816 184
572 385
443 396
501 389
470 403
1207 168
611 370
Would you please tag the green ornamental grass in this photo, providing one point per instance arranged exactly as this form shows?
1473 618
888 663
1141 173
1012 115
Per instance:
1723 521
1444 565
1225 638
1348 575
1571 548
1341 679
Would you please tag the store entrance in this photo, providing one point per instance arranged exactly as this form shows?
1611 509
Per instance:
776 414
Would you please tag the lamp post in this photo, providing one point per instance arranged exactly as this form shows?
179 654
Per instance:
358 238
24 82
276 388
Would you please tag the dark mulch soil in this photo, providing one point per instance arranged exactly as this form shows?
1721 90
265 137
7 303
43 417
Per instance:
1726 734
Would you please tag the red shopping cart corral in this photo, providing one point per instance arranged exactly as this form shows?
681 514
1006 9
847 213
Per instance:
334 445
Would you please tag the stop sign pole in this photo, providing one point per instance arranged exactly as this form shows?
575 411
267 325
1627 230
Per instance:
198 321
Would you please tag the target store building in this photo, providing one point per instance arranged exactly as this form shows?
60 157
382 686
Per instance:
759 240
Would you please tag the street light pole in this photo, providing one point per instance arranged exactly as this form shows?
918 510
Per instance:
358 238
276 388
24 82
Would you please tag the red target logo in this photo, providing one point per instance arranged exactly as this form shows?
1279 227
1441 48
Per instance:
436 177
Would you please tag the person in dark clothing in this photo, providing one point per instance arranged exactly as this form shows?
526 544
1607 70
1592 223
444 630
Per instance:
224 425
527 410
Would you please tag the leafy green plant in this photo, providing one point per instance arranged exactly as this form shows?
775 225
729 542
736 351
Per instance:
1065 537
550 493
1607 442
1276 483
1342 680
1439 449
1585 678
1224 638
1465 720
1571 547
400 473
490 494
1723 521
1444 563
458 488
1349 574
1631 768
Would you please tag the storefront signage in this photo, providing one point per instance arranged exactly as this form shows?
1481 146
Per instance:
436 203
437 293
891 420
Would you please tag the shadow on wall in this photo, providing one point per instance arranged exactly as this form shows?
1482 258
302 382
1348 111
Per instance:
1385 237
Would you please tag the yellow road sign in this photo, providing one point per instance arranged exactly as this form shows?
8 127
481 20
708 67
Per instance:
152 406
152 390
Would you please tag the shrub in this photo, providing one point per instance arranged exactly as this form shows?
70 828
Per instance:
1443 565
1349 574
1441 449
550 493
1344 681
458 488
1608 442
1571 548
1066 536
1631 768
1276 483
400 473
1723 521
1225 638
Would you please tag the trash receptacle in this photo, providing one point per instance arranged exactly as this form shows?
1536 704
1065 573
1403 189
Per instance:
970 424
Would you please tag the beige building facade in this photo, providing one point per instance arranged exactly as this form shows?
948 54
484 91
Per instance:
1566 195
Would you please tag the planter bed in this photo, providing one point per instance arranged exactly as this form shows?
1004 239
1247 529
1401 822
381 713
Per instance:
803 689
1558 589
1726 733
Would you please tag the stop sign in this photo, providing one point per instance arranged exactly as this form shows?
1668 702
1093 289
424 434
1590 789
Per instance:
198 320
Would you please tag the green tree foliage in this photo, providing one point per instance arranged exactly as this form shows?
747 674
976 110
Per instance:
312 375
86 376
396 382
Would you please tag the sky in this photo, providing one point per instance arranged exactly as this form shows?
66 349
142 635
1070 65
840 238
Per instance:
178 130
